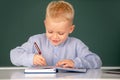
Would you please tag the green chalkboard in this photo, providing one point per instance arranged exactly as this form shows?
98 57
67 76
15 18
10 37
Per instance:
97 24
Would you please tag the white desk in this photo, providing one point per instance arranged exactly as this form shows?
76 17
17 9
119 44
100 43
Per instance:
17 73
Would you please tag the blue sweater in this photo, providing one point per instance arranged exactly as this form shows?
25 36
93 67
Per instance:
72 48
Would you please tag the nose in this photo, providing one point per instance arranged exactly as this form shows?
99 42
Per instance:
55 36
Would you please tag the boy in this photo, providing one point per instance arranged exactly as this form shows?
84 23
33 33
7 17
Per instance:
57 48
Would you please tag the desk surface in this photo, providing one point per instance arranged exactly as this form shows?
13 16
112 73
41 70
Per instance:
13 73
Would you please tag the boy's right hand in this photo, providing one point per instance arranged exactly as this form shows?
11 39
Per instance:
39 60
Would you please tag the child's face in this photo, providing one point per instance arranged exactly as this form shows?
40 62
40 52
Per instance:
57 31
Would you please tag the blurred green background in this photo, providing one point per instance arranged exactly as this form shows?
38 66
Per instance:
97 25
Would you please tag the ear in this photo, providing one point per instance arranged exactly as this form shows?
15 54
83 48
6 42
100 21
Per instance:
72 28
45 22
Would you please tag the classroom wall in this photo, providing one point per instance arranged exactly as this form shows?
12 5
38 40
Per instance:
97 24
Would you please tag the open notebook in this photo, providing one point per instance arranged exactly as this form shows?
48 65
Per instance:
51 70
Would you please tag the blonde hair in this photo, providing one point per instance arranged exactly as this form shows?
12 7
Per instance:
60 9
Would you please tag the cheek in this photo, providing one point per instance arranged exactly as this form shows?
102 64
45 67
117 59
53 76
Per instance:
64 37
48 35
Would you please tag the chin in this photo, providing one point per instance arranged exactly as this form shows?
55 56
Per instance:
56 44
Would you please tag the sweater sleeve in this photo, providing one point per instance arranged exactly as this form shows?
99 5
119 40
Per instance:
85 58
23 55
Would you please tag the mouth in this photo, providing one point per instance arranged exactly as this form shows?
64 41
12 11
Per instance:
55 41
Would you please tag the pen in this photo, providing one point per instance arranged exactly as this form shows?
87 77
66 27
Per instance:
38 49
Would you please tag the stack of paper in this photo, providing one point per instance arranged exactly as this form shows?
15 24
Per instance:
40 70
48 72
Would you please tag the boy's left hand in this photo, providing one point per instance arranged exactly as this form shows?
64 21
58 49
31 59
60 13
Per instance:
67 63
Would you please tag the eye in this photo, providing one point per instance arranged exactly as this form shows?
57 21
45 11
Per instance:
50 32
60 33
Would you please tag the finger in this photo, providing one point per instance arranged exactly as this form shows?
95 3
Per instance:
38 60
56 64
65 66
60 64
42 58
41 62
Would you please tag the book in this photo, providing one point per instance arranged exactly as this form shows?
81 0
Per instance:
51 70
40 70
78 70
